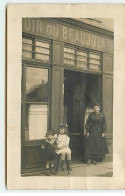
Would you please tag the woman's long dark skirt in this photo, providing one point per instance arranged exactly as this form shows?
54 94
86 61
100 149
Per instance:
95 147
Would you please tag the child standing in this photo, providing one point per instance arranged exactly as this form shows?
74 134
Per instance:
63 146
50 155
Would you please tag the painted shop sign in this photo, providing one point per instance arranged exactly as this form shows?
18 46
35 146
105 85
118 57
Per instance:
67 34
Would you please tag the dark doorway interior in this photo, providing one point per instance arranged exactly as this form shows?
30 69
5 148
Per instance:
81 91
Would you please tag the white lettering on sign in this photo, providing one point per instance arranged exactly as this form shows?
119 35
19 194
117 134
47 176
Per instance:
67 34
77 38
82 38
64 33
88 39
49 30
56 31
98 43
39 26
94 41
71 34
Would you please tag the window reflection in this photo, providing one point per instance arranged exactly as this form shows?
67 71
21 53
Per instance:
36 85
36 103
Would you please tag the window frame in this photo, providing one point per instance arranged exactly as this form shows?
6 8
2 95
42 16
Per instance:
36 63
37 38
24 102
88 51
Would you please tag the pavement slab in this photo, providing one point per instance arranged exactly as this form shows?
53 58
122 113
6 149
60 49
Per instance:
102 169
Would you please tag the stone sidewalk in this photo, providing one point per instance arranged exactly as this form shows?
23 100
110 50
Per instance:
104 169
101 169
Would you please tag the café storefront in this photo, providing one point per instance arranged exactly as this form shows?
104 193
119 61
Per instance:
67 66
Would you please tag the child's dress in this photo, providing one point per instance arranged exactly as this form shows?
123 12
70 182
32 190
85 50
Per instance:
63 144
64 150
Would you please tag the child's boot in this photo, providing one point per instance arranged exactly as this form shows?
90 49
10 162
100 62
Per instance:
63 165
53 171
69 165
47 172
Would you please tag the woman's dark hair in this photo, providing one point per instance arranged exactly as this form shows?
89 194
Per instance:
97 104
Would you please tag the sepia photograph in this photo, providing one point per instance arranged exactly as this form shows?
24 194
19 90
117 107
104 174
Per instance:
67 97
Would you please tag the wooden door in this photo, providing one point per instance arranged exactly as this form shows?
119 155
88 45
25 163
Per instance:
35 116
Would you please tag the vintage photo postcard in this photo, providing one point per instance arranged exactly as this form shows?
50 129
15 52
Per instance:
65 96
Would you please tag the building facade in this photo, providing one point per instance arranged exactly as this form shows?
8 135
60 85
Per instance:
67 66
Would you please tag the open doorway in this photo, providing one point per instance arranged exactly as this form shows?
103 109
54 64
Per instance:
81 92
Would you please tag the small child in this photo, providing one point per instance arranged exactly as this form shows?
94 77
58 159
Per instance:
50 155
62 142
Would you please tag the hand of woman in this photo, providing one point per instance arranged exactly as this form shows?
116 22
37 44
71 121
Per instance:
42 147
87 134
103 134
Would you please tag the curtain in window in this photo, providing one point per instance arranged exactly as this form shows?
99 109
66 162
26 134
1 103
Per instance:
37 116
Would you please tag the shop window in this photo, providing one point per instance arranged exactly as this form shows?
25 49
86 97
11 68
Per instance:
36 103
36 49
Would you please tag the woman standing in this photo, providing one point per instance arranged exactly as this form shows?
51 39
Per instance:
96 143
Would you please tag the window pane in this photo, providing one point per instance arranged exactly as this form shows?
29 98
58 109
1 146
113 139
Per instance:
42 47
72 62
36 85
82 53
42 50
69 56
27 54
82 65
37 121
37 113
69 50
27 46
95 67
94 56
68 61
94 61
28 41
42 44
81 58
42 57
